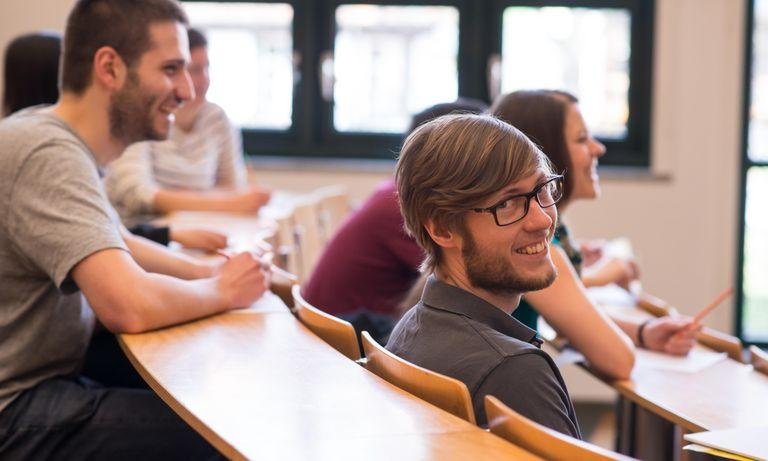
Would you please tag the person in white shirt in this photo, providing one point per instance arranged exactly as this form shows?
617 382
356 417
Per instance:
199 167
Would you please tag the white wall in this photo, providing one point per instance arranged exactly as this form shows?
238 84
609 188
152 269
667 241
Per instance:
23 16
683 227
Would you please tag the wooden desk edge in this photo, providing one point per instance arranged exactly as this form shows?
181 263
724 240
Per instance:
200 427
624 388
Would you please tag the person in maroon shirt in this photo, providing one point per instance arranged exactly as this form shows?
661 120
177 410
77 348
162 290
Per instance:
370 264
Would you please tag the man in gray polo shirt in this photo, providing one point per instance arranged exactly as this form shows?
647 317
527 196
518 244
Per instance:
479 198
123 76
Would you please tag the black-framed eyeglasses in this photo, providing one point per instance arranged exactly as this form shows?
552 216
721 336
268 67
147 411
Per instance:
512 209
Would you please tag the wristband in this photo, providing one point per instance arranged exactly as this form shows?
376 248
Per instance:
640 329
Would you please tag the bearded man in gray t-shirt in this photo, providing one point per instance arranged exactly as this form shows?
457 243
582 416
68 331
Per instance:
123 75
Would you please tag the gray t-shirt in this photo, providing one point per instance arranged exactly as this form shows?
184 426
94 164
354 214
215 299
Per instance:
453 332
53 214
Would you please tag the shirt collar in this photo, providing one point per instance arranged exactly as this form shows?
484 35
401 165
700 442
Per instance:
446 297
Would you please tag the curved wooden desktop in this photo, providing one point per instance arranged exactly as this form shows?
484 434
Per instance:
258 385
725 395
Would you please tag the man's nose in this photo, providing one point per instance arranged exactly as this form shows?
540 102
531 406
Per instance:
185 90
539 217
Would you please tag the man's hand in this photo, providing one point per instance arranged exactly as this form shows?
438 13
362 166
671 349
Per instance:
242 279
249 200
591 251
674 336
200 239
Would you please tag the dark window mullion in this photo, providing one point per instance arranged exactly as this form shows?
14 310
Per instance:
746 164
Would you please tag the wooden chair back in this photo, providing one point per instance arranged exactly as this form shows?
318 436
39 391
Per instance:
759 359
442 391
282 285
337 332
309 240
286 249
333 208
722 342
654 306
540 440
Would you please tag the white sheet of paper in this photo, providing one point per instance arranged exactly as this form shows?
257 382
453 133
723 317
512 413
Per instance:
695 361
748 442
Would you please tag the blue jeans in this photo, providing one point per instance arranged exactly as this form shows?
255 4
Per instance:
75 418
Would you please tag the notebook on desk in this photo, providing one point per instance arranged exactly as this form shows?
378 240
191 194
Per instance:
751 442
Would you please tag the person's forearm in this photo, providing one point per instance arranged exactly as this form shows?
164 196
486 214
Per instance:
153 257
607 349
566 307
630 327
159 300
167 201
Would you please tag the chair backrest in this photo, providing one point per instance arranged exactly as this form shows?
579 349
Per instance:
333 207
759 359
337 332
655 306
286 250
722 342
309 240
442 391
540 440
282 285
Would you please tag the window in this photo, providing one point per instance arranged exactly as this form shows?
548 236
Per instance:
341 78
752 298
391 62
582 50
251 51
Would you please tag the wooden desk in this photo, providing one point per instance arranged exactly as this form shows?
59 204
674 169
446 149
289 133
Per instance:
725 395
241 229
257 384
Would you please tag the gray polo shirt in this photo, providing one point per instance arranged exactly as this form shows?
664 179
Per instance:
453 332
53 214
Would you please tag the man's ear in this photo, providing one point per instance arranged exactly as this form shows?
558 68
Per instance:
441 235
109 69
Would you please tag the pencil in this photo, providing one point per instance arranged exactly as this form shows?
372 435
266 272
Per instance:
711 306
266 259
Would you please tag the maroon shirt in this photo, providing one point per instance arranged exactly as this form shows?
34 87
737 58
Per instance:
370 263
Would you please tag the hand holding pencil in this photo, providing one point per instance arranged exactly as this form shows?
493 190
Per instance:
677 335
712 305
243 277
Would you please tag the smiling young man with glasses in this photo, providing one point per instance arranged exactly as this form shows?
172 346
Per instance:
479 198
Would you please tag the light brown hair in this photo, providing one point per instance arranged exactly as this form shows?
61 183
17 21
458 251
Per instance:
454 163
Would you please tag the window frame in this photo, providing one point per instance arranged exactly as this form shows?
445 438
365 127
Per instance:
312 133
745 165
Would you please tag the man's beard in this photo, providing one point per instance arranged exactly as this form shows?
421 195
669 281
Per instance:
495 273
130 113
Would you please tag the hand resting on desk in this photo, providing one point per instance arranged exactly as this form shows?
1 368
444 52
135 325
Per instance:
199 239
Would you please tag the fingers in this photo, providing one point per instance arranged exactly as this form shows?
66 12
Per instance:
243 279
680 344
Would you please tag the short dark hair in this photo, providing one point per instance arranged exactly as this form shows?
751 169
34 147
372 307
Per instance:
459 106
31 71
120 24
540 115
196 38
